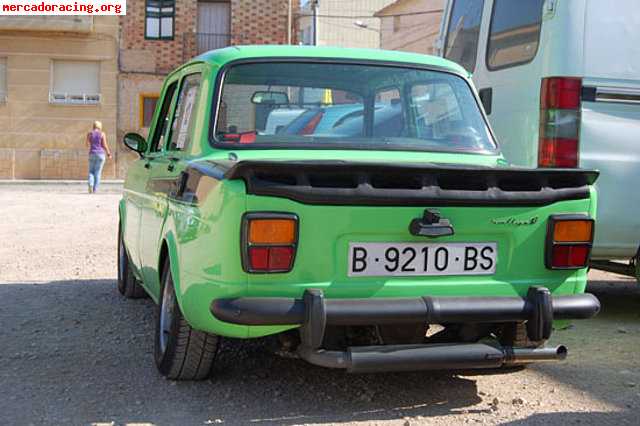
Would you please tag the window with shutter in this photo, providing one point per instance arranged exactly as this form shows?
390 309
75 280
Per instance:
75 82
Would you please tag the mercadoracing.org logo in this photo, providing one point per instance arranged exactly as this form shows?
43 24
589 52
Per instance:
63 7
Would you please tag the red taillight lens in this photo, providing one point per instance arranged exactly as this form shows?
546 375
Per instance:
570 256
560 93
270 259
559 122
569 240
269 241
259 258
558 153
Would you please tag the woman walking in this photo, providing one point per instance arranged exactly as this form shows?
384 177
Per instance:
97 144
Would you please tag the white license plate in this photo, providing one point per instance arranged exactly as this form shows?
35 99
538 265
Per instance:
421 259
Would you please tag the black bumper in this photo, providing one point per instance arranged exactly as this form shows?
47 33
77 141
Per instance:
313 312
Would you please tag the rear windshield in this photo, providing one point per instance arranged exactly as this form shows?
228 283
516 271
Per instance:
334 106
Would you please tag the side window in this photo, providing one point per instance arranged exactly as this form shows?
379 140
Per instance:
181 127
463 32
514 34
158 137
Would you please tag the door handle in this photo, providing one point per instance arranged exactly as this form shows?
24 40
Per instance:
486 97
171 167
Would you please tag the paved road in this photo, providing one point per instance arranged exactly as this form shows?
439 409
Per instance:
74 352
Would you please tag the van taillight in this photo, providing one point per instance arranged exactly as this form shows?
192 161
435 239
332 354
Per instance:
559 122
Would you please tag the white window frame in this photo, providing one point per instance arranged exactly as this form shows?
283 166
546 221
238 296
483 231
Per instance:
59 98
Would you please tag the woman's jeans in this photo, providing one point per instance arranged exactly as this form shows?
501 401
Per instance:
96 162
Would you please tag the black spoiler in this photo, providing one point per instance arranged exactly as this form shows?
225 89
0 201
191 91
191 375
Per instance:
405 184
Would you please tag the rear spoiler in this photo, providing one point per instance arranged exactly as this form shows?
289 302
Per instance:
407 184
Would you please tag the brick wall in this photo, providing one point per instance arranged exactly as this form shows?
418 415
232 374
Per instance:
262 21
138 54
252 22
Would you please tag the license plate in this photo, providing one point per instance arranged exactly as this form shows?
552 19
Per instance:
421 259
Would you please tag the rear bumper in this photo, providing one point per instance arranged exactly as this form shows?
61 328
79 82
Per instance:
314 313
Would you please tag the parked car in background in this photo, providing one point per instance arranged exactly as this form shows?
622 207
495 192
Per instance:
560 82
348 244
280 118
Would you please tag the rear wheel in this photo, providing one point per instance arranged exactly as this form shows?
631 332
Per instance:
128 285
181 353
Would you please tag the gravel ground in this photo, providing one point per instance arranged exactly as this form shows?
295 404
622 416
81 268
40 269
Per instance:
74 352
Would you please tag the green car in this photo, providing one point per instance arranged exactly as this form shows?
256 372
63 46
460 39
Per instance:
394 238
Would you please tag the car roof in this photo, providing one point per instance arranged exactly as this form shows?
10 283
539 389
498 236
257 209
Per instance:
223 56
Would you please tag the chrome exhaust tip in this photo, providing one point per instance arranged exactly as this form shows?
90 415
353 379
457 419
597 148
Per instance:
527 355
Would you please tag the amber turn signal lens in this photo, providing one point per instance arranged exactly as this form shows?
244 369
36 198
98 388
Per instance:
573 231
272 231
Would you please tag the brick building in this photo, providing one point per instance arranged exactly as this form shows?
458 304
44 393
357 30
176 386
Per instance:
57 75
156 36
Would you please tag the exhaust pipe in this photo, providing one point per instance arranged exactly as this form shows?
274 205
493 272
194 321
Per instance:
519 356
371 359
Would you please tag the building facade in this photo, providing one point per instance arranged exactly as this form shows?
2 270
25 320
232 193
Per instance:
159 35
343 23
57 75
411 25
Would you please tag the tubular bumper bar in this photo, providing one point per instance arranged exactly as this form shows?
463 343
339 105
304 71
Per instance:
314 312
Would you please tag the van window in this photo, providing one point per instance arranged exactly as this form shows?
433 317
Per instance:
463 32
514 33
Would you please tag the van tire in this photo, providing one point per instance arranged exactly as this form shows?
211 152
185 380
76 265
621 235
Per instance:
128 285
181 353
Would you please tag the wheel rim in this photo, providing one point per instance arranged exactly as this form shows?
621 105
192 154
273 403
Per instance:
167 310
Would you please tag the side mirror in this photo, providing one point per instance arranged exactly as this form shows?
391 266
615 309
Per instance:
136 143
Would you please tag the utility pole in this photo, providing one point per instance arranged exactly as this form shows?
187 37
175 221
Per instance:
315 22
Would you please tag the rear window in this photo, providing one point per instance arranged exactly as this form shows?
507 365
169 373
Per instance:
347 106
514 34
463 32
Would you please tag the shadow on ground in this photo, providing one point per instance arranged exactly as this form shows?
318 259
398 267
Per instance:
75 352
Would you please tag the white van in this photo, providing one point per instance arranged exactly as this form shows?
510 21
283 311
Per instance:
560 82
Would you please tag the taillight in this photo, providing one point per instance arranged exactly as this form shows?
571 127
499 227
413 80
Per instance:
569 240
559 122
311 125
269 242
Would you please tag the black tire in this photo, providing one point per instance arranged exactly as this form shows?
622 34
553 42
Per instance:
185 353
128 285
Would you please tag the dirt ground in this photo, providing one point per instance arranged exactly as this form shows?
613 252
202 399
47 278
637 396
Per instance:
73 351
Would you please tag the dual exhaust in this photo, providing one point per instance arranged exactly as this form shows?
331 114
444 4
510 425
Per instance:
391 358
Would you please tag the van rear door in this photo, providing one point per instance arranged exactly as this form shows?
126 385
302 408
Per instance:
507 75
610 128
